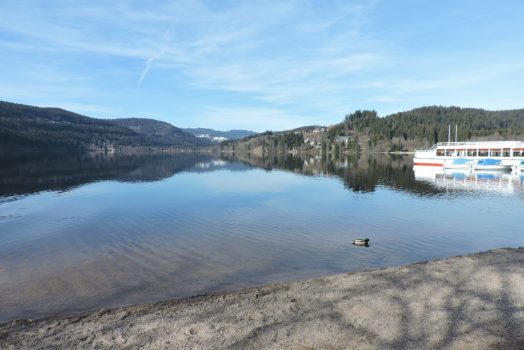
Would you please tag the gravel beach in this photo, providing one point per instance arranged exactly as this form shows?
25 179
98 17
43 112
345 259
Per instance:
466 302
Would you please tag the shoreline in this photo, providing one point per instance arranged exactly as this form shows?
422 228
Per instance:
471 301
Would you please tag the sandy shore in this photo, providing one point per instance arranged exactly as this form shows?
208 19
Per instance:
467 302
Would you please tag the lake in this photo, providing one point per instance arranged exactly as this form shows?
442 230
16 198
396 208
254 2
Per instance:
83 232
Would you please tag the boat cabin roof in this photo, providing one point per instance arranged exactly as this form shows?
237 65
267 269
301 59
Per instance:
479 144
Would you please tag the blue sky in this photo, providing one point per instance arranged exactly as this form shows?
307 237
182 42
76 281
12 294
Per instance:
260 65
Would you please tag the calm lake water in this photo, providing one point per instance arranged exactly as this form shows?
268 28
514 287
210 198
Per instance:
82 232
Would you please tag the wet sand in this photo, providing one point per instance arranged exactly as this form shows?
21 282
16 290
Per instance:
465 302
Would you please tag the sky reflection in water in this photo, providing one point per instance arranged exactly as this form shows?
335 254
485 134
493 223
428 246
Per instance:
83 232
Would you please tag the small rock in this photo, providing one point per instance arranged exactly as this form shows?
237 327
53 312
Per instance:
192 331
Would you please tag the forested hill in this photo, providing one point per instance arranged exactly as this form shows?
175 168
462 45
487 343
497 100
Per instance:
366 131
25 127
160 132
428 125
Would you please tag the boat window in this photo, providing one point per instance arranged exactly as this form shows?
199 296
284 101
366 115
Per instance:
506 152
496 153
472 152
483 152
440 152
450 152
518 153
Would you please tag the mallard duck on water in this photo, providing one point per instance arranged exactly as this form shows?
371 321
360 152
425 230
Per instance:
361 241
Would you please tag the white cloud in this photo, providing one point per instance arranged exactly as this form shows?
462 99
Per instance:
457 87
282 80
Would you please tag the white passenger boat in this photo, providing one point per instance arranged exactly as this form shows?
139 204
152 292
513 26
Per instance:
463 155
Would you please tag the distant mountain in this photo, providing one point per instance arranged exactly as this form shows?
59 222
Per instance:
161 132
217 135
25 127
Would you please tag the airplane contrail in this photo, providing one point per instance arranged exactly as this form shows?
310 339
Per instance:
149 62
153 58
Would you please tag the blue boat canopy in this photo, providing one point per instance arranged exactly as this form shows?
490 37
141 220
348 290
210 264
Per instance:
460 161
488 161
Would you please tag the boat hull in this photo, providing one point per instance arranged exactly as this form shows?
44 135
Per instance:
428 162
500 167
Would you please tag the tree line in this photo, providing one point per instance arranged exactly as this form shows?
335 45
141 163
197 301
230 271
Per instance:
428 125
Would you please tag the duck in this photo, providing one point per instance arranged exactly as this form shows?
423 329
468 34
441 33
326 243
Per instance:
361 241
